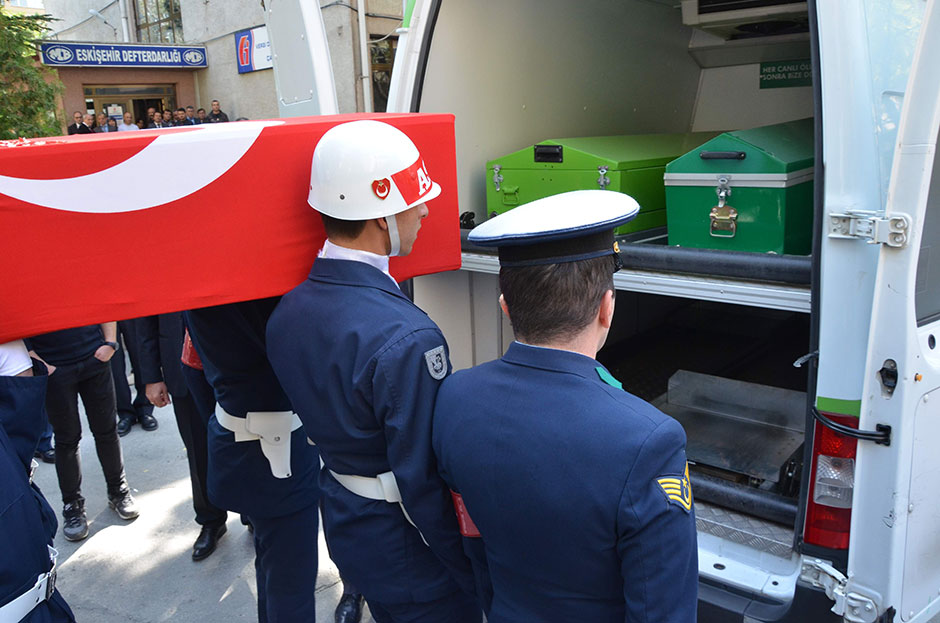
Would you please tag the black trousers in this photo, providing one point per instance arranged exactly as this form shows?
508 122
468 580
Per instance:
140 405
192 426
90 379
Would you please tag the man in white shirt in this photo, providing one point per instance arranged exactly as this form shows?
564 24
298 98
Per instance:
128 124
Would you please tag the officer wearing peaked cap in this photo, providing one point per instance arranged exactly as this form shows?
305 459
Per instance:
362 365
579 490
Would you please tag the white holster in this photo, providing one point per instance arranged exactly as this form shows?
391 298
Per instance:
271 428
19 608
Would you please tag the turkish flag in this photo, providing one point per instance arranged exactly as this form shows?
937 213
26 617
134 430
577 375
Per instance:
110 226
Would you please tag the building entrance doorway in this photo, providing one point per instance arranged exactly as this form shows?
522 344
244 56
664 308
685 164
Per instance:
115 100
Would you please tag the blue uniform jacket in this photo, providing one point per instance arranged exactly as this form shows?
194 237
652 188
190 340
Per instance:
362 364
230 341
560 471
27 522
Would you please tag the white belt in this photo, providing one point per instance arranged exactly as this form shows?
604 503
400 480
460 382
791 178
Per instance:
383 487
16 610
272 428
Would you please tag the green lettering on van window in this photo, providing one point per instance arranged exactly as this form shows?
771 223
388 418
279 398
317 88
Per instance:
783 74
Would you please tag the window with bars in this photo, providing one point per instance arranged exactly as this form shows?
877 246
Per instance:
159 21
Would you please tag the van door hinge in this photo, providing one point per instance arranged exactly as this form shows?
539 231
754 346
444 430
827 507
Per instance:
852 606
893 231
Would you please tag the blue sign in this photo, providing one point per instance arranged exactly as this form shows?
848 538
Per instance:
68 54
253 50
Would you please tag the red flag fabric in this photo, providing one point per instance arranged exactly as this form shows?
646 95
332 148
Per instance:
110 226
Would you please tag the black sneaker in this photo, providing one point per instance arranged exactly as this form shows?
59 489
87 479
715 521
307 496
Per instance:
75 526
124 505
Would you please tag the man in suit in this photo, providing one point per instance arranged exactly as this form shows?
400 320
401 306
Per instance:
102 125
181 118
85 126
76 122
160 340
156 121
191 116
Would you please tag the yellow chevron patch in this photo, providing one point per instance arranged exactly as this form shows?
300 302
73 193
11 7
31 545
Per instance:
677 489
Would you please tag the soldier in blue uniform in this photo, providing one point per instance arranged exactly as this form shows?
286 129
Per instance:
259 461
579 490
27 522
362 365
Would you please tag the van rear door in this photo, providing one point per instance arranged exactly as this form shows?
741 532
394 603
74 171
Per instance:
894 548
303 73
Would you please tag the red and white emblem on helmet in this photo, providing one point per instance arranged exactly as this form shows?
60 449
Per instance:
414 182
381 188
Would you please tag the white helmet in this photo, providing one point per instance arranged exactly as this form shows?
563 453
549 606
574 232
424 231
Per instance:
367 169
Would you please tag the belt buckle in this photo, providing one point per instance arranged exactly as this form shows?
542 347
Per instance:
50 584
50 581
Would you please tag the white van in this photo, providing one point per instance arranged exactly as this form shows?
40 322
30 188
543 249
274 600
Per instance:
816 486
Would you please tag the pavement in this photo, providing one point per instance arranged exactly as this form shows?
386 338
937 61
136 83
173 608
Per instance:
142 570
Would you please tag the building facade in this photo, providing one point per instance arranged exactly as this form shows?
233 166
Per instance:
148 46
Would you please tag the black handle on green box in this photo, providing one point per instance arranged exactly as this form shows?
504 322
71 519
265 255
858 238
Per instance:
722 155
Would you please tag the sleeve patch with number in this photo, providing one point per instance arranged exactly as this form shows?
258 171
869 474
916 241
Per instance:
437 362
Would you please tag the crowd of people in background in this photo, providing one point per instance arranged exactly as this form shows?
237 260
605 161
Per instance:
87 123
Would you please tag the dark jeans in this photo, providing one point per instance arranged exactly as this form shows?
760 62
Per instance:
122 391
192 426
90 379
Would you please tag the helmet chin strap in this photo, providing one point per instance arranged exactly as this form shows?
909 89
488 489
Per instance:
393 236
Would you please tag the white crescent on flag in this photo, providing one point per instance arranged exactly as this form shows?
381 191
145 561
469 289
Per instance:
192 159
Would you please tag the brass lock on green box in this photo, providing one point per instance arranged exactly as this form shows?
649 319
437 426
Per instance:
723 219
768 169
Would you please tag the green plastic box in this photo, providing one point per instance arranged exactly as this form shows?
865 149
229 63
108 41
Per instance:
632 164
749 190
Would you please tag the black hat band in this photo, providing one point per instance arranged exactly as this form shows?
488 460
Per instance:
558 251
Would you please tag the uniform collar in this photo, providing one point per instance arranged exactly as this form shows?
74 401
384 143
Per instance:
336 252
355 273
552 359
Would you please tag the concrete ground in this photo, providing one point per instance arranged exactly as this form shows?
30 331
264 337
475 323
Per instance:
141 571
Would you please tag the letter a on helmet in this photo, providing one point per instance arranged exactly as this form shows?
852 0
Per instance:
368 169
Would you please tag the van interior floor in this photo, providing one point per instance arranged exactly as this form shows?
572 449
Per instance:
725 372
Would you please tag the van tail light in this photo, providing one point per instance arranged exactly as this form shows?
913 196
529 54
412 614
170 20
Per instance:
829 507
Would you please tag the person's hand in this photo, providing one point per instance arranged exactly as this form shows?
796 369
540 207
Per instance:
104 353
158 394
49 367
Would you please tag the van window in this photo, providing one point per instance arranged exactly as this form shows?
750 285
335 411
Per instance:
893 30
927 297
